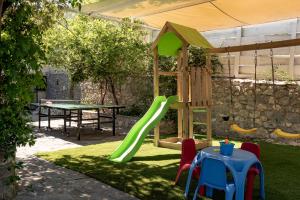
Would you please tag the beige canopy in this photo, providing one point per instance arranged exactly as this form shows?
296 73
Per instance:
202 15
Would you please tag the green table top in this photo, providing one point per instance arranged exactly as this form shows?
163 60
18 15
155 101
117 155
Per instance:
81 106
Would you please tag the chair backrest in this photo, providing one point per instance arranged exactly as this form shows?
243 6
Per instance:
213 173
251 147
188 152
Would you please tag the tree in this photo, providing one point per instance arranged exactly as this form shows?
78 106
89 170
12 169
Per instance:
22 23
98 50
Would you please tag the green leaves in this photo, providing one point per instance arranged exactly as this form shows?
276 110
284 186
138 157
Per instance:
21 59
197 58
97 50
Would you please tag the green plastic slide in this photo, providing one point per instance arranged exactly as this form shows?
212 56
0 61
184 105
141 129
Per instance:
139 131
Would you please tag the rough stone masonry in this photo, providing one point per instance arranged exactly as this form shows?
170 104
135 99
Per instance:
273 110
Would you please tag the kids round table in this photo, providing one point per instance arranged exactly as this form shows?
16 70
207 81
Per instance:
239 163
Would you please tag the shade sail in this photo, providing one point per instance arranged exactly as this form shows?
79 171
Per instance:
202 15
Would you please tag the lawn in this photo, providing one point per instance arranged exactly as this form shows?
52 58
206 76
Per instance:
151 173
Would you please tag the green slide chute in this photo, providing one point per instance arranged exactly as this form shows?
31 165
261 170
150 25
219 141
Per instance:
139 131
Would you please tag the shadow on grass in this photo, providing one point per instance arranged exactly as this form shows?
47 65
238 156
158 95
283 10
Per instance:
155 180
156 157
136 178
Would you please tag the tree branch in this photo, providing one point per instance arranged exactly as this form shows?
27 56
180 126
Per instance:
1 14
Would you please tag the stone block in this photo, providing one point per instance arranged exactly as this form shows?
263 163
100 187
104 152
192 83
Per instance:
261 107
293 117
269 124
284 101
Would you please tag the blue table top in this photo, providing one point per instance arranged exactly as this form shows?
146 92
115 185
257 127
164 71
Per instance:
237 160
239 163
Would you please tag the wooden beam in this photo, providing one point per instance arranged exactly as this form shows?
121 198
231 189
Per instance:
155 73
179 94
156 90
167 28
163 31
257 46
171 29
167 73
191 123
208 126
185 91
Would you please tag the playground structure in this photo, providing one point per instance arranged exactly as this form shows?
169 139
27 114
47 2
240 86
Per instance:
194 89
194 92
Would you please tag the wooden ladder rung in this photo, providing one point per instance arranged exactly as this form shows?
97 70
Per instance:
161 73
200 111
200 123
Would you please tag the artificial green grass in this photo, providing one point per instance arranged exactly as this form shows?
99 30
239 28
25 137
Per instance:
151 173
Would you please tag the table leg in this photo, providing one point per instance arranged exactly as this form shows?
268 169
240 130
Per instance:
240 178
98 117
40 112
80 117
209 192
70 118
78 124
65 121
49 118
114 121
261 182
189 178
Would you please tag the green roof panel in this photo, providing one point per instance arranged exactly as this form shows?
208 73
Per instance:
192 36
169 44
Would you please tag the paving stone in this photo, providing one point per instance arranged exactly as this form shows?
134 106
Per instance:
42 180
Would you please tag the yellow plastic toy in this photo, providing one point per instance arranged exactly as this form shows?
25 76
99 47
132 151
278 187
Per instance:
240 130
286 135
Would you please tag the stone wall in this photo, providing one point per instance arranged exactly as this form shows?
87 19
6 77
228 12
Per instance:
57 84
137 93
134 94
285 115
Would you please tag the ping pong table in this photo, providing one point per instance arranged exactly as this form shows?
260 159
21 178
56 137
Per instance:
72 112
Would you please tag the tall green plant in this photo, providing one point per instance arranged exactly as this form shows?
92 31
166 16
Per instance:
98 50
197 58
22 23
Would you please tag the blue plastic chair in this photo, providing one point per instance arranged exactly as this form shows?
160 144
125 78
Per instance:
213 175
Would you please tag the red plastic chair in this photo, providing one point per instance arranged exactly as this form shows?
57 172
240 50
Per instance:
188 153
253 171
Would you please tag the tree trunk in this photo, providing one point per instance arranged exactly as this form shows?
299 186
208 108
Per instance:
7 170
104 94
72 85
7 166
113 91
1 14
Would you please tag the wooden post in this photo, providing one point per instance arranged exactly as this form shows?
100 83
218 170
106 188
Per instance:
191 123
185 91
208 122
209 97
156 91
179 94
